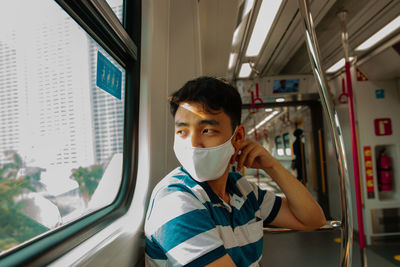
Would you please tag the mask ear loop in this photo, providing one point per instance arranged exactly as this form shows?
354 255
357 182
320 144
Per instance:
256 137
233 161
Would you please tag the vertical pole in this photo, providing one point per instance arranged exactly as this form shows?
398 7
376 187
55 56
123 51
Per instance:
361 234
345 197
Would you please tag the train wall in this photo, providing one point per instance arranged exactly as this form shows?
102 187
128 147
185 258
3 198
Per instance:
375 99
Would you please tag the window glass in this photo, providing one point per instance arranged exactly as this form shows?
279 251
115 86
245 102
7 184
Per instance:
61 113
117 7
286 144
279 145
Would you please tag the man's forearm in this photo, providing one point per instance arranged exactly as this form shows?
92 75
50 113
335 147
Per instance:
301 203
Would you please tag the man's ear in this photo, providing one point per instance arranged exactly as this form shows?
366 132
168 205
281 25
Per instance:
237 141
239 137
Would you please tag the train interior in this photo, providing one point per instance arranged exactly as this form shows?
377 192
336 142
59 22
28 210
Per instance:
282 110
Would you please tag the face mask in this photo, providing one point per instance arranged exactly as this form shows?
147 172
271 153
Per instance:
204 164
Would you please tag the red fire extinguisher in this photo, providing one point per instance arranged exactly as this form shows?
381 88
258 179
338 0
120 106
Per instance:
385 178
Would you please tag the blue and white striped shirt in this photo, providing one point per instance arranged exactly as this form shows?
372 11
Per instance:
188 224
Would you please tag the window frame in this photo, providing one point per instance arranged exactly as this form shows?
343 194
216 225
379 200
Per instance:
286 143
123 44
278 143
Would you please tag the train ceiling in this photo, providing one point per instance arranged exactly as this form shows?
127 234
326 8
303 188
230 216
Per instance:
284 51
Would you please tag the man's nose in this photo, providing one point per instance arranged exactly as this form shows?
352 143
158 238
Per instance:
196 140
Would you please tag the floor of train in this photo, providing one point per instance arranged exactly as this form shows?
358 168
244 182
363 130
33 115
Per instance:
317 248
321 249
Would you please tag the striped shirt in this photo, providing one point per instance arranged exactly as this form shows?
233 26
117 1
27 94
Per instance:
188 224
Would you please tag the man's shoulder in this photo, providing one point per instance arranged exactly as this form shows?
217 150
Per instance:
176 182
242 184
176 177
176 194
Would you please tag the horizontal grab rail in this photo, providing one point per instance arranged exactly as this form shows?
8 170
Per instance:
329 225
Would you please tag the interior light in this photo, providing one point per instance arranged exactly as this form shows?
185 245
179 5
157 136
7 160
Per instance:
247 7
251 131
235 39
337 66
245 70
232 60
268 109
266 119
265 18
280 99
379 35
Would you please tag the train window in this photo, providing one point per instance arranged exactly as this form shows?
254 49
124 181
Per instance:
279 145
61 160
286 144
117 7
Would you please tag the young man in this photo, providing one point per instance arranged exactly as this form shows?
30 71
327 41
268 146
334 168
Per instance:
202 215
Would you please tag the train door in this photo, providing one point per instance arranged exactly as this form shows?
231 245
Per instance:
293 132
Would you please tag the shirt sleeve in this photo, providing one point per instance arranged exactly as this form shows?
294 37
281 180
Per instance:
270 204
182 227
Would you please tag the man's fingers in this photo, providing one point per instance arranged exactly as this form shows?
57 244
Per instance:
243 155
250 158
253 155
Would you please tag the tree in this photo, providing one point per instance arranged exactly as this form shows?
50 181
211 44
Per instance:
15 227
88 178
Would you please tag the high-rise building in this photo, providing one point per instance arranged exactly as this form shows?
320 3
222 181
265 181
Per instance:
58 101
50 87
52 112
10 95
108 111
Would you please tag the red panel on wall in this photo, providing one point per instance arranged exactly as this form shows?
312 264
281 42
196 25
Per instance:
383 126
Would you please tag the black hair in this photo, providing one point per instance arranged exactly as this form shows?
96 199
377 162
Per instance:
214 94
298 132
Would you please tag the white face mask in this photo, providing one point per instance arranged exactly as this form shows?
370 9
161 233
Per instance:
204 164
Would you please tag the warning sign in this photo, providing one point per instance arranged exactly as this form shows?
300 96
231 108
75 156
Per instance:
369 172
360 76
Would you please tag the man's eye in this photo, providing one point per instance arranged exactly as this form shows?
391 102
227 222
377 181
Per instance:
180 132
207 131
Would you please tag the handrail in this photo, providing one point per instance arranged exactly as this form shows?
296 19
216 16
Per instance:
329 226
342 15
335 129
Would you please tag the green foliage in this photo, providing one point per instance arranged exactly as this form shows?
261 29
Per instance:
88 178
8 190
15 227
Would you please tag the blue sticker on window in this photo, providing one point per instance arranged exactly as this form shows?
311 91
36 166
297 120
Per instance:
380 93
109 77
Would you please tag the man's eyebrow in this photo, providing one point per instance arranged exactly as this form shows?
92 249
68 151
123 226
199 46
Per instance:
202 122
180 124
209 122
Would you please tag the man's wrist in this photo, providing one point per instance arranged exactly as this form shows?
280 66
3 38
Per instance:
272 166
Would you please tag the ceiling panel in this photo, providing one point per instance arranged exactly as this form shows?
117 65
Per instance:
217 22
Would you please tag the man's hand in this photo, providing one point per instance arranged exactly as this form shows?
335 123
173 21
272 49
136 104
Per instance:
299 209
225 261
253 155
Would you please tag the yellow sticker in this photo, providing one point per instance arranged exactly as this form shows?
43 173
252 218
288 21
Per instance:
337 240
397 257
